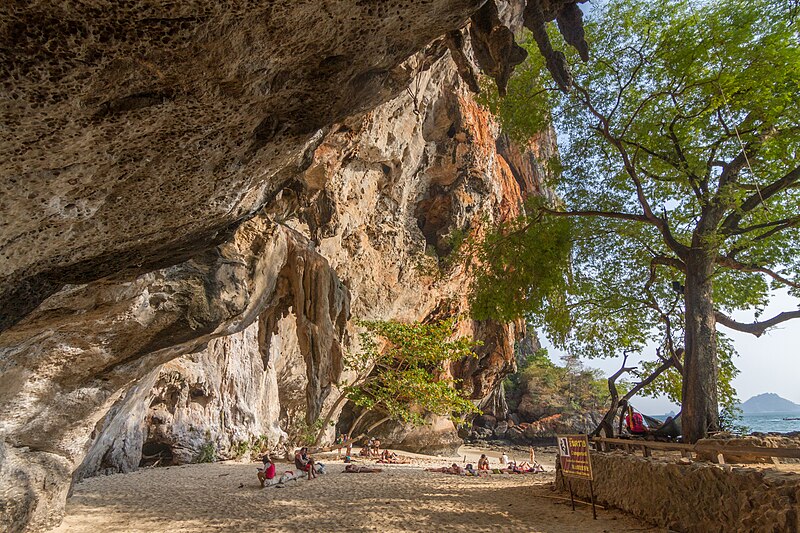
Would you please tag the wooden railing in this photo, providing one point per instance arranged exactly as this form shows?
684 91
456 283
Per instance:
716 451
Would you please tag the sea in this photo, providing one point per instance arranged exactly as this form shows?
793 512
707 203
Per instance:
765 422
771 422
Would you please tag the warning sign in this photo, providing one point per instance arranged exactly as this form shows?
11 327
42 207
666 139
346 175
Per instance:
573 453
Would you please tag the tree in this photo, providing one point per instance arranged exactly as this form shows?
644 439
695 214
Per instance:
679 182
404 376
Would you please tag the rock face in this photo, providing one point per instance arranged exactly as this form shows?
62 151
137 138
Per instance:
210 180
695 498
416 174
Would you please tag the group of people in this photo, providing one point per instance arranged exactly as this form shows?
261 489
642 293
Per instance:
305 463
483 468
372 449
302 461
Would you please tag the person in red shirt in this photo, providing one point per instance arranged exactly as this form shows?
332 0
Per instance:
268 472
305 463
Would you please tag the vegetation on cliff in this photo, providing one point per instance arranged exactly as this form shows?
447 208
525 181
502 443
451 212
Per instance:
679 191
399 372
542 388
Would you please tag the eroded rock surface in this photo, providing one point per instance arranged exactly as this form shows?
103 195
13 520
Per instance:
203 179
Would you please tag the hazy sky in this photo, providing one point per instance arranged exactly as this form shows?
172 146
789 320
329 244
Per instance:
770 363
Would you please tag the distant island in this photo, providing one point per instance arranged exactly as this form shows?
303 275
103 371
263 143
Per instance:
769 402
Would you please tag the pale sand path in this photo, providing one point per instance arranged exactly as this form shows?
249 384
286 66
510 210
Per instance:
204 498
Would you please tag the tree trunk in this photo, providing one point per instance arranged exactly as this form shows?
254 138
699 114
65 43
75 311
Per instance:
700 410
354 425
376 424
328 418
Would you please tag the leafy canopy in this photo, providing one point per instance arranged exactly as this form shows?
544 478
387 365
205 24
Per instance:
681 133
405 377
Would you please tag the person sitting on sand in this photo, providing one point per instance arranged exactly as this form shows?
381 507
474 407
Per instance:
503 460
483 462
388 457
268 472
355 469
305 463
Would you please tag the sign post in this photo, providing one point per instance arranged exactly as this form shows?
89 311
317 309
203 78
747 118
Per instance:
573 456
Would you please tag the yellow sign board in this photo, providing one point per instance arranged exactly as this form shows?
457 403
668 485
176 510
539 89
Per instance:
573 454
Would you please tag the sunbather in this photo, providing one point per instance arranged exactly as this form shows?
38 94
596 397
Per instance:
390 458
452 469
355 469
483 462
527 468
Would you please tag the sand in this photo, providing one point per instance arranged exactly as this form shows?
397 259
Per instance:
227 497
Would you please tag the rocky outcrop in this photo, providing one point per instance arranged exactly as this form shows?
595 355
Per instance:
178 173
418 174
695 498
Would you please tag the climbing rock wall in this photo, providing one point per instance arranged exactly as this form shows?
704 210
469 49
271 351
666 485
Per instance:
380 195
165 162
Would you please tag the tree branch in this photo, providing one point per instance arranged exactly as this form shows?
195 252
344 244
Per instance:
606 214
680 249
730 262
731 222
755 328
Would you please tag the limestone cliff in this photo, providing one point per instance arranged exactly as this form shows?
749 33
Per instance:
174 173
380 194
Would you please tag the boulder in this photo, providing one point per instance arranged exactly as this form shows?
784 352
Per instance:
485 421
516 436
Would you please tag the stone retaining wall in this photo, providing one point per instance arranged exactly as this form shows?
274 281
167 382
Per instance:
696 497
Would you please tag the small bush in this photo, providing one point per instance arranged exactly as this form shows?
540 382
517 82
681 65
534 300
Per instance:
207 452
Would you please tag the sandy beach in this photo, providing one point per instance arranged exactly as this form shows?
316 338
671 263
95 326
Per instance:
227 497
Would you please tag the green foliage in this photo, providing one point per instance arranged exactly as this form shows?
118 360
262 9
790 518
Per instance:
299 431
729 420
569 388
207 452
257 445
520 119
652 139
523 267
306 433
404 376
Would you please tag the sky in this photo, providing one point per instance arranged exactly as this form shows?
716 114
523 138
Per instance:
770 363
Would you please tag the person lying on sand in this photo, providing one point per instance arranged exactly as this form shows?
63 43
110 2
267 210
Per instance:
452 469
268 472
527 468
305 463
355 469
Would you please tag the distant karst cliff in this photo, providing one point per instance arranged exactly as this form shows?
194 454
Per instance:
769 402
